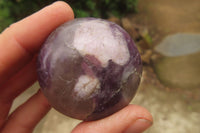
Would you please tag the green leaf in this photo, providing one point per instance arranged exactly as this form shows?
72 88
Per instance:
81 13
91 4
13 10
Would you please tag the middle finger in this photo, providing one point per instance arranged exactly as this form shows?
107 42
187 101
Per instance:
15 86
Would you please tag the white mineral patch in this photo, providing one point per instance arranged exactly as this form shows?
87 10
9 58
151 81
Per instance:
98 40
127 72
86 85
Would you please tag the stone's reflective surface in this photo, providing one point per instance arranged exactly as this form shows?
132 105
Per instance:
89 68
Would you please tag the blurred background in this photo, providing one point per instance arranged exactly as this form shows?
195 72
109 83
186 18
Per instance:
167 34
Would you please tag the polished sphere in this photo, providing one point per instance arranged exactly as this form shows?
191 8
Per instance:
89 68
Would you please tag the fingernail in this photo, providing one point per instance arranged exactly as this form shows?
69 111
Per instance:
138 126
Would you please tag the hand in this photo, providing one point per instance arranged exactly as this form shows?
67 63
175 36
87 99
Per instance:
19 45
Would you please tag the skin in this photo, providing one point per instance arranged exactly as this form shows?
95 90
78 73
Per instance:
19 46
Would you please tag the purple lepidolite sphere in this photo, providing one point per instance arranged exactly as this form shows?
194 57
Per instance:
89 68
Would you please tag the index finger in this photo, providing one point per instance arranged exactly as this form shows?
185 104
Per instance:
22 40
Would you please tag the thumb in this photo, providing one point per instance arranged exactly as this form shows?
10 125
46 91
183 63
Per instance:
130 119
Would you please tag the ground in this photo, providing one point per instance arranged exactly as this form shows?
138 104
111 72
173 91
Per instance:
174 110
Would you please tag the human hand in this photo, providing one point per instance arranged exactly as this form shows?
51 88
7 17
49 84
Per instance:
19 45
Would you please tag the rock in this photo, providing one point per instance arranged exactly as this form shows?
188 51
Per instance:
131 28
179 72
179 44
115 20
178 65
138 33
146 56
